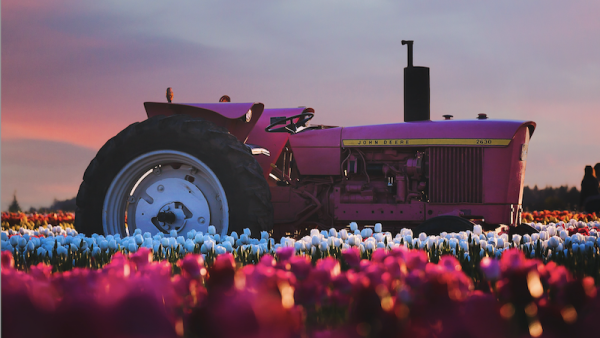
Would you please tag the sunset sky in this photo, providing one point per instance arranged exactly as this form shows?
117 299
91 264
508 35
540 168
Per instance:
76 72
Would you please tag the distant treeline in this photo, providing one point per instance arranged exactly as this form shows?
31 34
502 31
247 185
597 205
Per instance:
549 198
66 205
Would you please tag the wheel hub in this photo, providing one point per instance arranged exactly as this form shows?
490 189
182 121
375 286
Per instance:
171 204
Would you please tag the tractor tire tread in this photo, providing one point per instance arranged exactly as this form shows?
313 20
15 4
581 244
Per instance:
247 191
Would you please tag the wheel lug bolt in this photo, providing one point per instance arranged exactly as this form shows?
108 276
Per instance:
156 171
131 199
160 188
201 220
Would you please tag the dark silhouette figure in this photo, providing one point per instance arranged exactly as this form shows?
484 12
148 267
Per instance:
589 188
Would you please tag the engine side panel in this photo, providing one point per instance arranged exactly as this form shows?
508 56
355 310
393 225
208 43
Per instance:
317 151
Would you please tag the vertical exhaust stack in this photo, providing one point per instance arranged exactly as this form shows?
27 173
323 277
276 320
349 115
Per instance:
416 89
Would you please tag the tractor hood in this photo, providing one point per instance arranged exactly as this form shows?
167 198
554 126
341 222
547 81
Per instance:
238 118
435 133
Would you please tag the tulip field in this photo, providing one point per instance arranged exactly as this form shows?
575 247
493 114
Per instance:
353 282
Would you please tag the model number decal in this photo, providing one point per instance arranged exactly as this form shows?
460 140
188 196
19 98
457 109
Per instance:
425 142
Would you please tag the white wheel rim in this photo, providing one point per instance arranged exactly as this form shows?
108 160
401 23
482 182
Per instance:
170 182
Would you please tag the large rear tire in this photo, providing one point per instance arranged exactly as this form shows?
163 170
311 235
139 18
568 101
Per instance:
173 173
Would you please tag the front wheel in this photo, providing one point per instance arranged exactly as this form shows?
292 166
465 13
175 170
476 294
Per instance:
173 173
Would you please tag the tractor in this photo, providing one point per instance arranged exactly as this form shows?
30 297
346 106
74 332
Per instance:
239 165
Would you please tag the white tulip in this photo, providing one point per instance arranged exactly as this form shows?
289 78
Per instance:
553 242
333 232
316 240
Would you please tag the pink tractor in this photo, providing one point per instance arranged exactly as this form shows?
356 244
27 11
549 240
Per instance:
238 165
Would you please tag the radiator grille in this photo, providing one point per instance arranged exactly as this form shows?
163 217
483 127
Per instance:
455 175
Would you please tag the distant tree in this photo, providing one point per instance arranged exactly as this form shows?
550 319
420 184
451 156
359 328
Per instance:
549 198
14 206
66 205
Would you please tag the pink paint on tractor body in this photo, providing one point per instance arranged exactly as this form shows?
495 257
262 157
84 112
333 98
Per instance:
397 174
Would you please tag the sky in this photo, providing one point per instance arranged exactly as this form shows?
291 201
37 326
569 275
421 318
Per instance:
76 72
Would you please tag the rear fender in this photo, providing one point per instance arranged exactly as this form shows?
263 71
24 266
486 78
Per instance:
231 116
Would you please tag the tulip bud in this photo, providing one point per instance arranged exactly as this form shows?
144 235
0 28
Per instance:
378 227
330 241
164 242
41 251
30 246
344 234
22 242
316 240
490 268
364 233
422 236
453 243
189 245
61 250
353 226
333 232
477 230
247 232
553 242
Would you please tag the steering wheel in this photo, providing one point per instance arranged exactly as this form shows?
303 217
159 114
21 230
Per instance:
291 127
